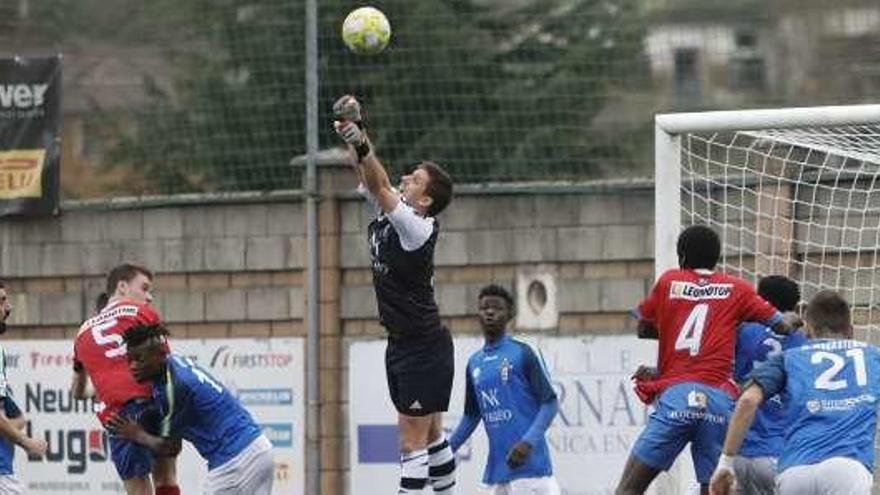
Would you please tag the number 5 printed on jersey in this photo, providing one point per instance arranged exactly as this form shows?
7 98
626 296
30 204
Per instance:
113 339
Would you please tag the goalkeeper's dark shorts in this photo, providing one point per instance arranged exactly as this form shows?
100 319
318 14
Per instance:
420 371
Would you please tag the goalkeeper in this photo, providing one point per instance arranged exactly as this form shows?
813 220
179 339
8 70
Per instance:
419 357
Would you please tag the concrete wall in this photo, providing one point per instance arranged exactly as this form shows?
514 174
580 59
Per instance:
238 269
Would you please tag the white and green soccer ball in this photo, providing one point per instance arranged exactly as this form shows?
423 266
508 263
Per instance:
366 31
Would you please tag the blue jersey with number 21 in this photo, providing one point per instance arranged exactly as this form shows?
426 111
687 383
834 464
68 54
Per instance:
831 389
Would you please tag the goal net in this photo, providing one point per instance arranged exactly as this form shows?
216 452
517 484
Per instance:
791 192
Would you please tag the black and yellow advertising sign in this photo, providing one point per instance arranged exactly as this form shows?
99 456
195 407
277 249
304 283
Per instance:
30 135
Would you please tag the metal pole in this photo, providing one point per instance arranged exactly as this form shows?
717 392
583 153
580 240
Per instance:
313 412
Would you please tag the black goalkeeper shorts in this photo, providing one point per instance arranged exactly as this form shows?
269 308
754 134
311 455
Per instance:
420 371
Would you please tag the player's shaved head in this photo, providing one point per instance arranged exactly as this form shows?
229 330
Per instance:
698 248
782 292
828 315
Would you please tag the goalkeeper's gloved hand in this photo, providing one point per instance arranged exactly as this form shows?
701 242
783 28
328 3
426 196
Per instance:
350 132
349 125
353 135
348 108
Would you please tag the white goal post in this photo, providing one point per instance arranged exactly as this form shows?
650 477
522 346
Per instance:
792 192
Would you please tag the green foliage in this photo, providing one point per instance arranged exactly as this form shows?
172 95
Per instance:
232 120
493 94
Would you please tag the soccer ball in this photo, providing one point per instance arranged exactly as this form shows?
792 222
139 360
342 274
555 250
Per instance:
366 31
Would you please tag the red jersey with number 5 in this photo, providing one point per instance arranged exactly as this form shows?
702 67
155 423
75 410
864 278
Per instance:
98 348
696 314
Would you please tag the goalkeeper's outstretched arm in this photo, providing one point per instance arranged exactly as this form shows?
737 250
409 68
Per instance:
371 172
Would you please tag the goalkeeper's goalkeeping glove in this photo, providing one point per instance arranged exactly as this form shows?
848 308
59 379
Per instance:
348 108
349 125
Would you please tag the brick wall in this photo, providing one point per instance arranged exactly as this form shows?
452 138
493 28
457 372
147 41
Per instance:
232 270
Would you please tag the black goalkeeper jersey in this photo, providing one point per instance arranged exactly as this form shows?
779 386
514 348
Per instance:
404 281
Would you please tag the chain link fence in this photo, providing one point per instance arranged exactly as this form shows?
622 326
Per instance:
183 96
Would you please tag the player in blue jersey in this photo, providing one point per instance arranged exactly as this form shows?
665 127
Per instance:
755 466
196 407
508 388
12 422
830 386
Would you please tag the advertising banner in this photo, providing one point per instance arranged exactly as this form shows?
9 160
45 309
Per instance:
30 135
265 374
599 419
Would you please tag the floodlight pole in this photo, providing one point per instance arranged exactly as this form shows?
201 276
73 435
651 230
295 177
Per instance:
313 406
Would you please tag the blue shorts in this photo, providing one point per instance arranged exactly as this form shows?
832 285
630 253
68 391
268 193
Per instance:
686 412
133 460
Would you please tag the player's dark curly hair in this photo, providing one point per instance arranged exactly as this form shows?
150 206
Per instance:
698 247
139 334
782 292
498 291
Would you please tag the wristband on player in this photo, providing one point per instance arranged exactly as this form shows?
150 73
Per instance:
362 150
725 463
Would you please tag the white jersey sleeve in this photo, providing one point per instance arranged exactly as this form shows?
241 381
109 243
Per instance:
371 200
412 229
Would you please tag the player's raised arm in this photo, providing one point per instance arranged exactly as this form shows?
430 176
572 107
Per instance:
371 172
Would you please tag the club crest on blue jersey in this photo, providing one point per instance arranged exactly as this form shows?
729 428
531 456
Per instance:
505 370
476 373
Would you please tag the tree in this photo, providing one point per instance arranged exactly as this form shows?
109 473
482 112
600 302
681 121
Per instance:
493 93
490 92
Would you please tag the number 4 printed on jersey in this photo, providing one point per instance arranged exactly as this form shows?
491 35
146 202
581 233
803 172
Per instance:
691 333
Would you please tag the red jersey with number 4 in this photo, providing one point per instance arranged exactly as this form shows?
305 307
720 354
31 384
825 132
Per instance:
100 351
696 314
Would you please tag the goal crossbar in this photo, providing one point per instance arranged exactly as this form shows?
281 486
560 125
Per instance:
777 118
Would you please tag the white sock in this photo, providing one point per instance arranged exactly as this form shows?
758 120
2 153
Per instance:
441 470
413 472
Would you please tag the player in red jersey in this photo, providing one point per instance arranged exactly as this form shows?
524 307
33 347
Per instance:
694 312
100 355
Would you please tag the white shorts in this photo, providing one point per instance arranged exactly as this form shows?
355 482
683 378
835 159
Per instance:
251 472
9 485
528 486
755 475
836 475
